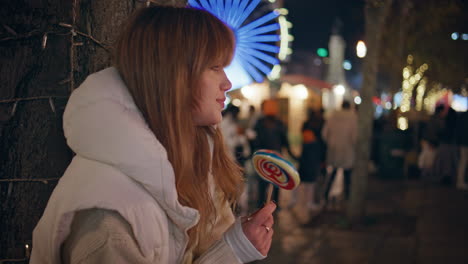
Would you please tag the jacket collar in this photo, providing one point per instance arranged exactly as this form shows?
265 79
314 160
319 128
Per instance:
102 123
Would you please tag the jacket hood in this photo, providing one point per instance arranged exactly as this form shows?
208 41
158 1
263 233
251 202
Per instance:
102 123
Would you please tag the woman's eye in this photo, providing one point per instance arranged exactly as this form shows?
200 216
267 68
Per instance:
216 68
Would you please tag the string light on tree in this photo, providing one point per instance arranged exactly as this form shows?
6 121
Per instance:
410 80
420 94
433 96
402 123
464 92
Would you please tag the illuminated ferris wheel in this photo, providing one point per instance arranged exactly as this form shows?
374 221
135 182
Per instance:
256 49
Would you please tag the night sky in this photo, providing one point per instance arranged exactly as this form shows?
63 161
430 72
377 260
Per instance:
313 21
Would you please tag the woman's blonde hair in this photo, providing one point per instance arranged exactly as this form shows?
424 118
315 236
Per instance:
161 56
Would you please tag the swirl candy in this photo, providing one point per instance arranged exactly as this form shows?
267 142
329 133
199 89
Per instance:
272 167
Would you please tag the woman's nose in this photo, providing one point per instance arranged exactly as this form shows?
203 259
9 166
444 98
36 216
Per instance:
227 85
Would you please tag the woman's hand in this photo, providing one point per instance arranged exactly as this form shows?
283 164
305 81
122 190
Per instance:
258 228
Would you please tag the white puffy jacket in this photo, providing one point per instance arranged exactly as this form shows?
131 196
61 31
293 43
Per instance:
121 166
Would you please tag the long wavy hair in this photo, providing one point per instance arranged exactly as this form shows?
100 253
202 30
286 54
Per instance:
161 56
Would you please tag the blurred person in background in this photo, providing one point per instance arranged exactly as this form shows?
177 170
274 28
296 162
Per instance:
249 128
234 134
340 135
430 141
435 126
271 134
444 168
462 141
238 146
250 121
311 157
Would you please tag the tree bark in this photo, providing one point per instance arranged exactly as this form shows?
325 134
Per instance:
32 145
375 11
404 12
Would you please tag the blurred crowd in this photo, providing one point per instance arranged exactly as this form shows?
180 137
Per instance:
434 149
444 148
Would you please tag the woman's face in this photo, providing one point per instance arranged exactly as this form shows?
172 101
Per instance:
213 86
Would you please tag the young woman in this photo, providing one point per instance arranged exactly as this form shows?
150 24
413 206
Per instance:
151 181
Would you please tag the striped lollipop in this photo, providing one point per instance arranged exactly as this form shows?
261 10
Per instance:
272 167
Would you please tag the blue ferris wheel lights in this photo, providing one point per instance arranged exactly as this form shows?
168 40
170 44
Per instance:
260 46
260 30
261 55
261 38
258 64
245 13
229 6
258 22
251 51
250 69
220 7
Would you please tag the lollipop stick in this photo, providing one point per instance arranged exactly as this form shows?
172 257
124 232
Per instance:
268 193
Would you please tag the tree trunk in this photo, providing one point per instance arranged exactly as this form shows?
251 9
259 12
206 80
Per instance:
375 12
403 13
32 145
33 150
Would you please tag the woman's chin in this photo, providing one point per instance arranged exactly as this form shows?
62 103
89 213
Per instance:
209 122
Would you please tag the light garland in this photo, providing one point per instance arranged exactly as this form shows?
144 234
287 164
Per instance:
402 123
15 102
410 80
45 36
433 96
464 92
43 180
420 94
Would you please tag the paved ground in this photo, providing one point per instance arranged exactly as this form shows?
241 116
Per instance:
407 222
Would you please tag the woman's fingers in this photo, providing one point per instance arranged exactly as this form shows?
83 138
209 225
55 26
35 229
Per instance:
269 221
258 228
265 241
263 214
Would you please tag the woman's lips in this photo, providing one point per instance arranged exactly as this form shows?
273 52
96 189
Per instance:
221 102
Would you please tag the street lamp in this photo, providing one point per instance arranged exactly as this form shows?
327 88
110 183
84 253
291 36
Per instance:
347 65
339 89
361 49
248 92
300 92
357 100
